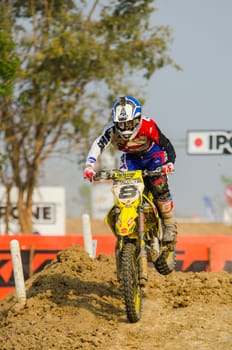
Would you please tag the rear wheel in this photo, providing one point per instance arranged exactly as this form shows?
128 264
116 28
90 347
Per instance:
165 264
130 281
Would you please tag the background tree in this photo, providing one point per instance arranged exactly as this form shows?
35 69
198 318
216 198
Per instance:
9 68
74 60
226 180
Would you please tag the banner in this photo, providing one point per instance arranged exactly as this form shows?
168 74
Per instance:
209 142
210 211
102 199
193 253
48 211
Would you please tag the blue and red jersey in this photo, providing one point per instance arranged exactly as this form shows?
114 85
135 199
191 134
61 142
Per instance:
148 142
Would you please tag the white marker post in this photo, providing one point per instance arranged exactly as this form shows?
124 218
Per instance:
88 242
18 271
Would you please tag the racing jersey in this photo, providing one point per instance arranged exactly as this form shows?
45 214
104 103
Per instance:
147 135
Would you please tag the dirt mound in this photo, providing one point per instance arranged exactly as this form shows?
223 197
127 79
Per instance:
75 303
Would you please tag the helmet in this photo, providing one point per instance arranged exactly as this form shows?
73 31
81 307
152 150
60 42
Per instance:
126 115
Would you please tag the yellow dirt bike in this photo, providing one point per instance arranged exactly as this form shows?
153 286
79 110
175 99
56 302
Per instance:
136 222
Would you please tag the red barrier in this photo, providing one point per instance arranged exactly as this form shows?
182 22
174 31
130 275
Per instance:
204 253
193 253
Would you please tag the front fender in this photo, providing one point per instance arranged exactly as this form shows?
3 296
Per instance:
126 221
126 224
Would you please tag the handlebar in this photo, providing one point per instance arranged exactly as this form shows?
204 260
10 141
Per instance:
104 175
109 174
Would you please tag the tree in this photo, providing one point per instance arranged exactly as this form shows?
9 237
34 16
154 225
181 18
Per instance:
226 180
74 58
9 67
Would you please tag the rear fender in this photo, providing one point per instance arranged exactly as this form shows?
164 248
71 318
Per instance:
155 210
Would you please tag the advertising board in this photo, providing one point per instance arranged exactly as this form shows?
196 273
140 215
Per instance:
209 142
102 200
48 211
193 253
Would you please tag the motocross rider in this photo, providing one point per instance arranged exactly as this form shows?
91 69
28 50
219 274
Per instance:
144 146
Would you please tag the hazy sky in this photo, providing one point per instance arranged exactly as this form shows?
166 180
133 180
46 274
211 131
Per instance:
198 98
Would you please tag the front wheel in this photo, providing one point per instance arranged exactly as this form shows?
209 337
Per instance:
130 281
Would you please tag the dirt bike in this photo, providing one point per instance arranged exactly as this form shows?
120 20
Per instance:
135 221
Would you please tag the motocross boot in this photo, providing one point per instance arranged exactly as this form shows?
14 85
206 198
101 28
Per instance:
170 229
170 232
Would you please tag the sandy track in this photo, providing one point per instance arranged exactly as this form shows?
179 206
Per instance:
76 303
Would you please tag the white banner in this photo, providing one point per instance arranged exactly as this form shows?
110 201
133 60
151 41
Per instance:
209 142
102 200
48 211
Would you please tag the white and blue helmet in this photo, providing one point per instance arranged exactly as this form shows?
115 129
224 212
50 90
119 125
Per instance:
126 115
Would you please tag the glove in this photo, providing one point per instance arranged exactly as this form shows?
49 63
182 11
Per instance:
89 173
168 168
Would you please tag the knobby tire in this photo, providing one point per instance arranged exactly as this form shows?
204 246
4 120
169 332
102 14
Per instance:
165 264
130 279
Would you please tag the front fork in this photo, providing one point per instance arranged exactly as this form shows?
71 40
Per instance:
142 258
118 249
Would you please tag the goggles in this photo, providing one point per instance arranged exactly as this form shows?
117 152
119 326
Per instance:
128 125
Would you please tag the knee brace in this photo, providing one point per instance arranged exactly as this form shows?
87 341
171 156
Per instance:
159 187
166 210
